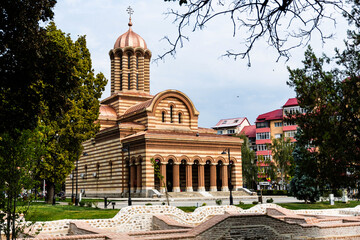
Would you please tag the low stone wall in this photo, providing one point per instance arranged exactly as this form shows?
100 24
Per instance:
140 218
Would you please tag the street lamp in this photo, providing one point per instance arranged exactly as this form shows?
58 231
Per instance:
77 179
127 149
227 150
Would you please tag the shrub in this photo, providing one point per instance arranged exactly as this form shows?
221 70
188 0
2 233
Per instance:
270 200
255 202
148 204
96 204
241 203
163 203
273 192
203 205
70 203
88 204
218 202
82 204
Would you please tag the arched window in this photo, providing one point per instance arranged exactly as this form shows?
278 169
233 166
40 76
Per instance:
137 81
171 114
121 82
137 61
179 115
129 60
129 80
121 62
163 117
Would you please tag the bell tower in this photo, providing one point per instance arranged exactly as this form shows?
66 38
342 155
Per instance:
130 63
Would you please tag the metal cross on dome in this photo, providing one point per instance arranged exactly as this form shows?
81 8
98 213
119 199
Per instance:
130 11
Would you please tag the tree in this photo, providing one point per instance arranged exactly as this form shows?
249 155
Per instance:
249 166
66 130
284 24
331 99
282 154
304 185
157 173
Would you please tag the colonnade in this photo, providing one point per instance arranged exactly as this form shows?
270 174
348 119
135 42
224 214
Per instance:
218 175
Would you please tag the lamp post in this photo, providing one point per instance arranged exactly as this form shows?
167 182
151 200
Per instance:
72 187
229 175
127 149
77 180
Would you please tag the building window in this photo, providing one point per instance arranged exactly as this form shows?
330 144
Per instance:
171 114
261 147
137 61
219 132
289 122
224 122
129 60
236 121
278 135
278 124
121 63
264 135
85 172
231 131
163 117
121 83
179 115
129 80
290 134
111 168
262 124
97 169
137 81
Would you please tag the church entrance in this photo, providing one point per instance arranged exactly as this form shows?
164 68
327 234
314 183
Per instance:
207 175
182 173
169 175
219 175
195 175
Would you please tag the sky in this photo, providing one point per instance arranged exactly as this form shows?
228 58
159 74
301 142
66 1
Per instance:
218 86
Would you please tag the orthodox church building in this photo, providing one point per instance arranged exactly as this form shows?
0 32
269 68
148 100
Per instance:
138 126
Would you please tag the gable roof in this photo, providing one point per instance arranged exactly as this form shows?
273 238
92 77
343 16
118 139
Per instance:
273 115
249 131
230 122
291 102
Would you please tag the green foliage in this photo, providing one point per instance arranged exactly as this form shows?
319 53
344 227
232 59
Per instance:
241 203
255 202
65 130
203 205
148 204
157 173
81 204
249 167
218 202
282 149
88 204
269 200
267 192
304 184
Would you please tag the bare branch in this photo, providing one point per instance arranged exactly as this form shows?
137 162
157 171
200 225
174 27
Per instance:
278 21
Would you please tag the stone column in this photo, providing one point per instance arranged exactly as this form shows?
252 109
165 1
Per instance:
189 187
176 177
224 186
138 177
132 178
201 178
213 177
163 173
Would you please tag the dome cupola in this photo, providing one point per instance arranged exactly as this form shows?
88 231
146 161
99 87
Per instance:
130 63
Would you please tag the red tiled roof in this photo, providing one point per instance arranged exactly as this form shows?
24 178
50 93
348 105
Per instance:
107 112
291 102
249 131
139 107
230 122
273 115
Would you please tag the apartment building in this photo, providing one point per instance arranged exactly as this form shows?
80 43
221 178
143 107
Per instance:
274 124
231 126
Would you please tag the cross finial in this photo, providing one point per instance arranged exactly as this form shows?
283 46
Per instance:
130 11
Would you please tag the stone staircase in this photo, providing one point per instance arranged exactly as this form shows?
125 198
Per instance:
185 195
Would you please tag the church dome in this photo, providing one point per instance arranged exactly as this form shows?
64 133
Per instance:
107 113
130 39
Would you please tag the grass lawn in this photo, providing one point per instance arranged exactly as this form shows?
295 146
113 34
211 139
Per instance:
46 212
319 205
